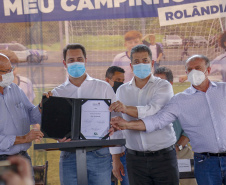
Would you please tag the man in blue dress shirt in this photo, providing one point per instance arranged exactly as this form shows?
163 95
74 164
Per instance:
16 115
201 110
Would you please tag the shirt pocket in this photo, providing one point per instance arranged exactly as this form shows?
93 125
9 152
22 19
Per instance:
20 111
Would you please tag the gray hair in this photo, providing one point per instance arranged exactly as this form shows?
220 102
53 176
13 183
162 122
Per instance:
140 48
195 57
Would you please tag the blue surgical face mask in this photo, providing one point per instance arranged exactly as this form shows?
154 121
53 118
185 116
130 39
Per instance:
142 70
76 69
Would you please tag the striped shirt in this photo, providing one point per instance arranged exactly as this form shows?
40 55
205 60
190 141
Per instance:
202 116
16 115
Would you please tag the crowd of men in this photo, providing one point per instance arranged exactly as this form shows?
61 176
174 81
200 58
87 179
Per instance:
146 107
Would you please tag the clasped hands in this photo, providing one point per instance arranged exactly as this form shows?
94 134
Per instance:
118 123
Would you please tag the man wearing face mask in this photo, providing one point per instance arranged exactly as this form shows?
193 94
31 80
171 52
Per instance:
115 77
80 85
201 111
151 157
16 115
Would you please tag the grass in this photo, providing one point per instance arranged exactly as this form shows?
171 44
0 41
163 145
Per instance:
39 157
94 42
179 87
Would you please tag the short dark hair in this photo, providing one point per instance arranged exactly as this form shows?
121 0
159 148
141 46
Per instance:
222 40
195 57
111 71
74 46
166 71
140 48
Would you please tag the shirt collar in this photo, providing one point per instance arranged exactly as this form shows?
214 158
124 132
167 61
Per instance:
88 78
6 89
151 80
193 90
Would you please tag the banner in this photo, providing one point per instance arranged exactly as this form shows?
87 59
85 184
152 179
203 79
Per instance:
192 12
61 10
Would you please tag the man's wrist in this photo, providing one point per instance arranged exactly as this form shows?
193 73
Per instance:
180 147
126 108
128 125
39 106
116 157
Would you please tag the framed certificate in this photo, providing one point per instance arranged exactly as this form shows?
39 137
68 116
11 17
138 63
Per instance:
95 118
75 118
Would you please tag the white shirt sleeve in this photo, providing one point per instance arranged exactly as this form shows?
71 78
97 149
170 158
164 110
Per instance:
163 94
117 150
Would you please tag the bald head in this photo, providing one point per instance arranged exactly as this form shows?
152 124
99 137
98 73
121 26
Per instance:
198 58
5 64
3 59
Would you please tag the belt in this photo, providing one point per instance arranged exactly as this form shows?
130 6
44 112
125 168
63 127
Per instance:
149 153
20 153
214 154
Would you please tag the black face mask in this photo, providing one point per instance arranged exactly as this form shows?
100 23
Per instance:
116 85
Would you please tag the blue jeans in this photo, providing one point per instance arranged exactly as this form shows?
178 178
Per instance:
98 167
125 179
210 170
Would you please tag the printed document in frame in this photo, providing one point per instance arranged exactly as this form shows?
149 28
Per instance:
95 118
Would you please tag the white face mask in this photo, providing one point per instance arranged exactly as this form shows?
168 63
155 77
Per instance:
196 77
7 79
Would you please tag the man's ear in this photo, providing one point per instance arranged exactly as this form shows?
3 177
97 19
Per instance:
152 63
107 80
131 66
65 65
85 62
208 70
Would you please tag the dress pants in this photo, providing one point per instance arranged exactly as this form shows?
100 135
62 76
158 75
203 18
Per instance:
159 169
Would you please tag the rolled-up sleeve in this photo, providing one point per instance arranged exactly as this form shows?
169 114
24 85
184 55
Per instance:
164 93
117 150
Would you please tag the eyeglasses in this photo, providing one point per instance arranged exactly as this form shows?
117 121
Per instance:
9 70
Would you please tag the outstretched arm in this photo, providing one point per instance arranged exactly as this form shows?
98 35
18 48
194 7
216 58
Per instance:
121 124
146 36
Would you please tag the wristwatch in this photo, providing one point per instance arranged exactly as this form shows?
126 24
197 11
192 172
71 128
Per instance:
180 147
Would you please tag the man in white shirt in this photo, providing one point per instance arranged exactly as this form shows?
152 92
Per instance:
80 85
201 111
151 157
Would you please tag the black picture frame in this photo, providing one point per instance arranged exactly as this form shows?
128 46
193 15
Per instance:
61 117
